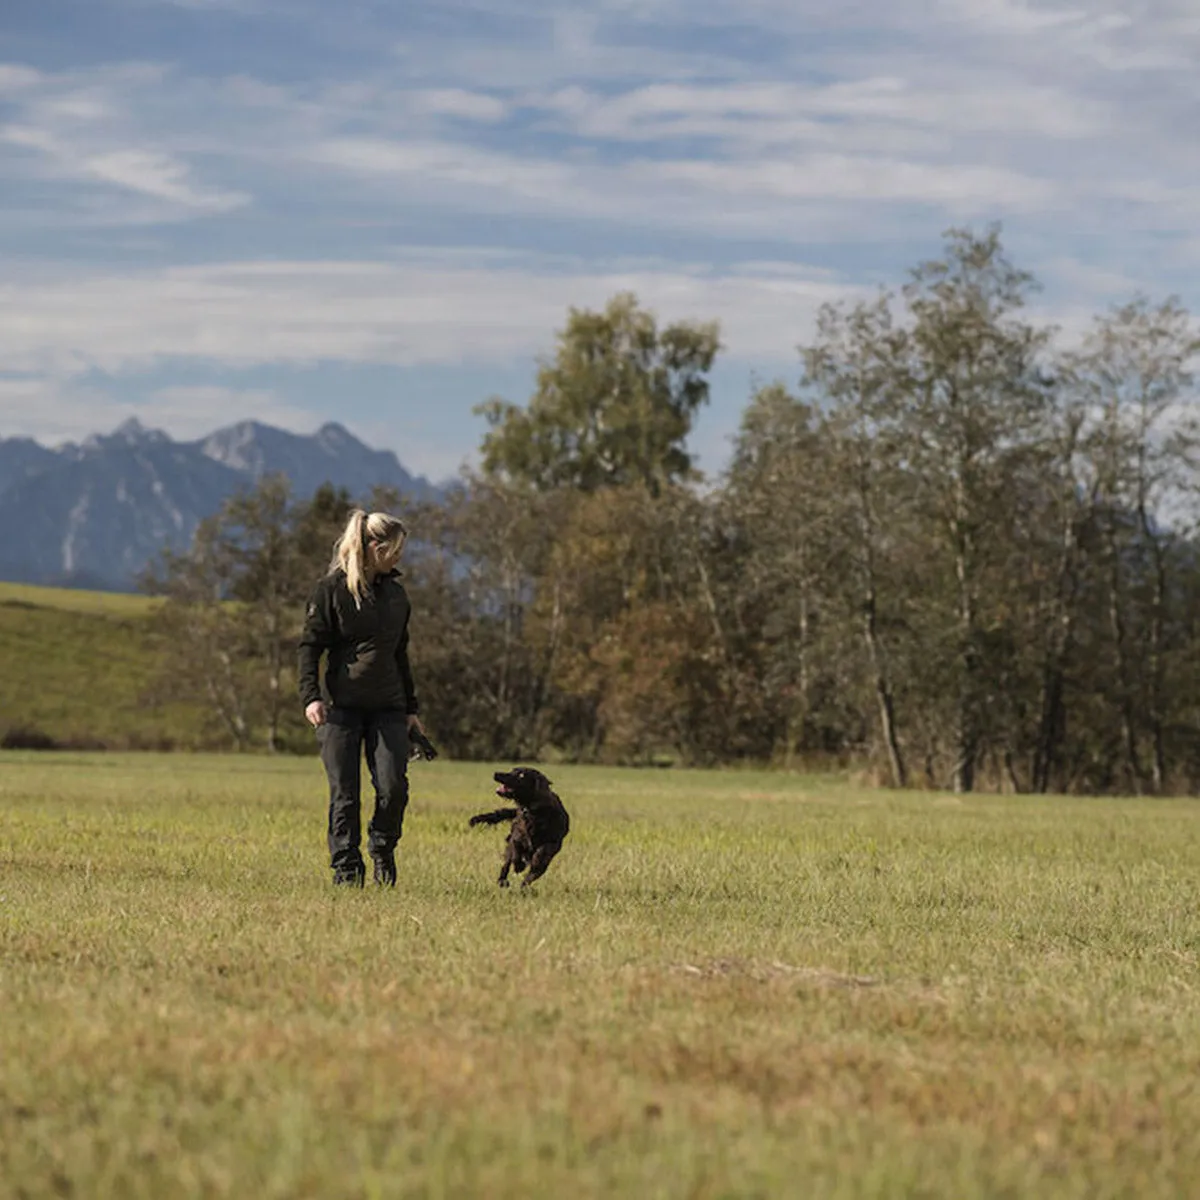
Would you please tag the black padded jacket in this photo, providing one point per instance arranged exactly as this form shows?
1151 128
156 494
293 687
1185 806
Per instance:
367 646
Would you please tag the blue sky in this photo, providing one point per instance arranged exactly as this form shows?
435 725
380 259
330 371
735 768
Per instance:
379 211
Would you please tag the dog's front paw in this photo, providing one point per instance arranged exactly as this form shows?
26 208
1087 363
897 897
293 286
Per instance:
504 883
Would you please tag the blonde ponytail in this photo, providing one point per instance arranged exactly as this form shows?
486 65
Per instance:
350 550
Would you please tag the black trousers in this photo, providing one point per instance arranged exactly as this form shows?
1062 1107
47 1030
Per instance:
345 736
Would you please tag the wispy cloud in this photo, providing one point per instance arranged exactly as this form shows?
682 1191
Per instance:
147 172
83 128
760 115
458 102
424 309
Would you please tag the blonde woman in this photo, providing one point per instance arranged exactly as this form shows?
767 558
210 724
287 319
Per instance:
358 617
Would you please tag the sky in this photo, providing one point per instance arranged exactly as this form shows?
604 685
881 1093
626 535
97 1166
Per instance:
380 212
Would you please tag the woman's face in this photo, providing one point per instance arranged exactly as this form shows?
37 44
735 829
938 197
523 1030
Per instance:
384 555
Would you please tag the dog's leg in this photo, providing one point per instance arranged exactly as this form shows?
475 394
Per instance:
504 870
493 818
540 861
510 860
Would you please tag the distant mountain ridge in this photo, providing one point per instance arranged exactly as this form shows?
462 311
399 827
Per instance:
96 513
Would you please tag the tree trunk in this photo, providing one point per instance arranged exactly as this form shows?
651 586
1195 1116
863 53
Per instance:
542 683
226 701
884 696
798 729
966 734
1116 621
1158 767
883 691
1052 721
274 678
1050 724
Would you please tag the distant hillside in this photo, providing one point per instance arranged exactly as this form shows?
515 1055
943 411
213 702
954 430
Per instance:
80 669
96 514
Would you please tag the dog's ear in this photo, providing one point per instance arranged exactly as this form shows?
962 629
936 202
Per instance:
539 781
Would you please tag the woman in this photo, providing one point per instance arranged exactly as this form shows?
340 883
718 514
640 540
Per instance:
358 615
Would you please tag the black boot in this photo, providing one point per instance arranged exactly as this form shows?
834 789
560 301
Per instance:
385 868
349 877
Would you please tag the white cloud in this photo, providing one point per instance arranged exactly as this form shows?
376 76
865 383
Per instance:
159 176
555 46
1013 16
422 310
15 77
769 113
962 190
458 102
82 129
755 196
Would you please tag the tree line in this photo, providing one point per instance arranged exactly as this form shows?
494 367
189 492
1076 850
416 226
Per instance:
952 555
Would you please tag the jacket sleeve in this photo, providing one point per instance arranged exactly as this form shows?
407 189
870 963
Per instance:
317 637
413 706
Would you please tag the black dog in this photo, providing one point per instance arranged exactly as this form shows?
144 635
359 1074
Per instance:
539 823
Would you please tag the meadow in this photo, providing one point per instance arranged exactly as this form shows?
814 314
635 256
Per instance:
83 669
729 984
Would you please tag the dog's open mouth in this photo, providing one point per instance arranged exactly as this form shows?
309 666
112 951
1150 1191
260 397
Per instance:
505 791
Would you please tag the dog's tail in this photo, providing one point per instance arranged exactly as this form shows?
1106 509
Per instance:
493 818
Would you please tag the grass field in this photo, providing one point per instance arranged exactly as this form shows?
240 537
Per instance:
80 667
728 985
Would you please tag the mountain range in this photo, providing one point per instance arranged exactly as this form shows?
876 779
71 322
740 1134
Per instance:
97 513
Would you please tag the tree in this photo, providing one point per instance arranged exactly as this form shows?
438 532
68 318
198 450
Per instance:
485 640
778 493
629 635
1131 376
852 366
234 603
1063 511
975 402
614 406
205 654
261 536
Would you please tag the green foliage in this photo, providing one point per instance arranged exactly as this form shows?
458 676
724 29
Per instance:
730 983
614 406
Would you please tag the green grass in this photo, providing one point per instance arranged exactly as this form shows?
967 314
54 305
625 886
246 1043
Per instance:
728 984
81 667
104 604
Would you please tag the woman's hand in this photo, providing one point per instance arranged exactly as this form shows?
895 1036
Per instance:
314 714
414 722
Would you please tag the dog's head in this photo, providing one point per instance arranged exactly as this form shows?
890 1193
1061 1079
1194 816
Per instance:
524 785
